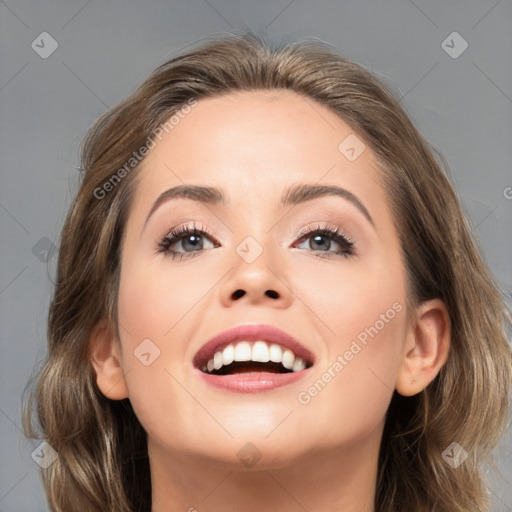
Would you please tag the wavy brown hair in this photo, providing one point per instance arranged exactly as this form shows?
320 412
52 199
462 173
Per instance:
102 462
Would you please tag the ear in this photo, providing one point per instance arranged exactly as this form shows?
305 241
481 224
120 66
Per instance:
426 348
105 354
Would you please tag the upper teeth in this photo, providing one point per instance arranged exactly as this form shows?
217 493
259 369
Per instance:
260 351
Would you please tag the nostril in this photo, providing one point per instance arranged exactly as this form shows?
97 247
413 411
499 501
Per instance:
238 294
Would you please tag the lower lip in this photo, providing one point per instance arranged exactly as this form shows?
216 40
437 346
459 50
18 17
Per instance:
251 382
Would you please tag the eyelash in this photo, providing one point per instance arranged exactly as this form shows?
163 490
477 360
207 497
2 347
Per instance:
343 240
175 235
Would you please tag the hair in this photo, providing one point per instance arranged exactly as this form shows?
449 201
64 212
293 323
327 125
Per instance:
102 459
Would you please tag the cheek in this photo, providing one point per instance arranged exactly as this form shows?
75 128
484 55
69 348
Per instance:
156 307
360 311
348 298
148 309
354 387
153 299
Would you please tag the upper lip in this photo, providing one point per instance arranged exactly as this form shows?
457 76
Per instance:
251 332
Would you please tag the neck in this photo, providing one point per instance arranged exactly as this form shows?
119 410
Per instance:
332 480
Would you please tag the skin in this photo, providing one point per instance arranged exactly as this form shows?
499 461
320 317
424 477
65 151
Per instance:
319 456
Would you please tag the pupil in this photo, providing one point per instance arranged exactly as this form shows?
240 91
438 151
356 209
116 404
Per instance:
197 240
316 237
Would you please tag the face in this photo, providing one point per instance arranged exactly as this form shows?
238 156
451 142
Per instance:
340 293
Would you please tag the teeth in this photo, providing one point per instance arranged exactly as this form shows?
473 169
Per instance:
299 364
260 352
288 359
276 354
217 360
228 355
243 351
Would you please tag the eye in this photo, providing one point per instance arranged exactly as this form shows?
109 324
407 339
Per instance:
191 239
321 241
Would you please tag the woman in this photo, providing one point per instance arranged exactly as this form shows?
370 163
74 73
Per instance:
268 298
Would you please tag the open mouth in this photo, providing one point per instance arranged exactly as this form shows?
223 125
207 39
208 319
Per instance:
253 357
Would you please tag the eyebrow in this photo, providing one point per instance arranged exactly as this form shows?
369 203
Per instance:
296 194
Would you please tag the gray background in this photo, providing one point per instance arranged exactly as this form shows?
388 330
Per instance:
462 105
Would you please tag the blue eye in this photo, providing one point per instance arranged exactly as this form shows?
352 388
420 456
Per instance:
320 234
192 242
190 237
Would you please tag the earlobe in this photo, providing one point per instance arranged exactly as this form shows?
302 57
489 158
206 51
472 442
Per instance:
426 349
105 357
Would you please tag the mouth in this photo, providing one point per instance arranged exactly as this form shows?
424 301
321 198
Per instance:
252 358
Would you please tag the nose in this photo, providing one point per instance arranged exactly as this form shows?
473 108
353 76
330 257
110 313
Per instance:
237 294
262 281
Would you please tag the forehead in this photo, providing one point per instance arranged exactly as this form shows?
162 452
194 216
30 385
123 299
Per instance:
253 140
